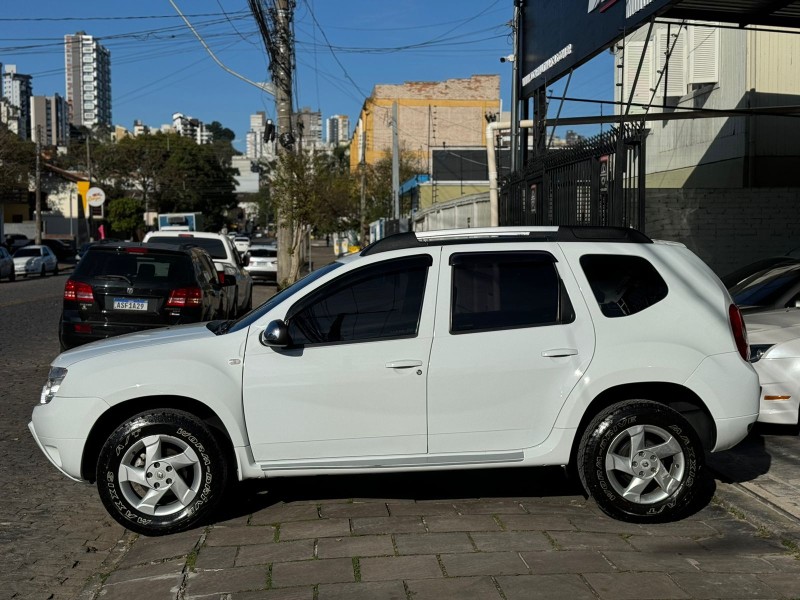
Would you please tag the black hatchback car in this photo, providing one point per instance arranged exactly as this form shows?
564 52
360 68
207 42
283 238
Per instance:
126 287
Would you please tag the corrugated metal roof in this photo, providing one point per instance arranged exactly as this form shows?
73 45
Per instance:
779 13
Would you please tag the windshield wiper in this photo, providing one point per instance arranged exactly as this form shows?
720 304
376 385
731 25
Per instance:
114 278
223 328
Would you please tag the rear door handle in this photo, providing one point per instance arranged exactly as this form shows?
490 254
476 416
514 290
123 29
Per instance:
403 364
556 352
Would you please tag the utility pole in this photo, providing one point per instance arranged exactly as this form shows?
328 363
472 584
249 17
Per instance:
395 165
38 236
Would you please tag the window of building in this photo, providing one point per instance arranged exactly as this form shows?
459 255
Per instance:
506 290
623 285
378 302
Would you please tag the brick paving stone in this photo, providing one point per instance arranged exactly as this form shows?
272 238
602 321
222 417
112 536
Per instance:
473 588
536 523
571 561
490 507
747 542
355 509
784 563
725 585
225 581
685 528
545 587
399 567
263 554
665 544
634 586
240 536
170 569
786 584
462 523
387 525
426 509
570 540
433 543
559 506
710 562
661 563
484 563
313 529
370 590
161 548
216 557
155 589
511 540
298 593
312 572
597 524
282 512
360 545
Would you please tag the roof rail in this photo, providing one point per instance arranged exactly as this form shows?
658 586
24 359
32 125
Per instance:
574 233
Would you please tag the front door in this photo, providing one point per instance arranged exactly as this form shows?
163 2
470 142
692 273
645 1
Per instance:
352 383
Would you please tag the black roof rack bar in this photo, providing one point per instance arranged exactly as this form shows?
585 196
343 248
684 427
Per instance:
570 233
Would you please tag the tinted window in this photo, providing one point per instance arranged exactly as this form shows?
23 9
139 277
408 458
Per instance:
22 252
376 302
502 290
136 268
213 246
623 285
766 287
263 252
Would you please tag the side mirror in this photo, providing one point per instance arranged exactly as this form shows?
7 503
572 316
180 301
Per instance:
246 259
276 335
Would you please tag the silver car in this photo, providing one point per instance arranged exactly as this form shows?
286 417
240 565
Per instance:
33 260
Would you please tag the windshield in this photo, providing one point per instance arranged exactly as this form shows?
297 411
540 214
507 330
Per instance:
263 252
213 246
298 285
766 286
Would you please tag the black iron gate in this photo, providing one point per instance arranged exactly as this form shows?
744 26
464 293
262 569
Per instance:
599 181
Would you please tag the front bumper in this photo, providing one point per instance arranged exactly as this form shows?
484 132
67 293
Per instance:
61 428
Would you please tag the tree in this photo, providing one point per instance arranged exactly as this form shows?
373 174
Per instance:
379 183
220 133
17 162
125 216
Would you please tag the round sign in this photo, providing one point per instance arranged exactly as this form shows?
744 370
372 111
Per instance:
95 197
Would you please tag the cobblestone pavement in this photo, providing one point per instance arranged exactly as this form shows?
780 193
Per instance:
502 534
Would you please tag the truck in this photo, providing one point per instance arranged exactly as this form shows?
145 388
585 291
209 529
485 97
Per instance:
189 221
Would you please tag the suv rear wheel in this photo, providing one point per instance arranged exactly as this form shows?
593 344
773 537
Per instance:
641 462
160 472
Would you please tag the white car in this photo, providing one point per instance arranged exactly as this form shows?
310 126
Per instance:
497 347
775 354
262 263
35 260
6 265
223 253
242 243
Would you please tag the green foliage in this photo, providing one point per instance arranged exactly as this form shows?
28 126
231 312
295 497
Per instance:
220 133
17 162
125 216
378 180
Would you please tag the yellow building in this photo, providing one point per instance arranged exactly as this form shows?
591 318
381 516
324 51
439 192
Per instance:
430 115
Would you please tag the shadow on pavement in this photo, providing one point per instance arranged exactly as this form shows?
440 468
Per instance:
746 461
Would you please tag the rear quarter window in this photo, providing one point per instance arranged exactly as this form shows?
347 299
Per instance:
623 285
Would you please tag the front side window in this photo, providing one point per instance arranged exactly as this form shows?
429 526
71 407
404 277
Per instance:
381 301
623 285
505 290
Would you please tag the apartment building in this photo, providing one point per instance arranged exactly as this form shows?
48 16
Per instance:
88 79
337 130
49 120
18 90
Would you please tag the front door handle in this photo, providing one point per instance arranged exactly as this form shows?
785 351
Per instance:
556 352
403 364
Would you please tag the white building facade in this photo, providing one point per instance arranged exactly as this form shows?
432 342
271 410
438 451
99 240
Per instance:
88 79
18 90
337 130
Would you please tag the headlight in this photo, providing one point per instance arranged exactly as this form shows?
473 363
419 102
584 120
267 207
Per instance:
758 350
54 379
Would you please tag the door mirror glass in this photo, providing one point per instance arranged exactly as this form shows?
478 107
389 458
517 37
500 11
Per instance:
276 335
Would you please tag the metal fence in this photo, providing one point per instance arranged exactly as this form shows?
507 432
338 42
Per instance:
599 181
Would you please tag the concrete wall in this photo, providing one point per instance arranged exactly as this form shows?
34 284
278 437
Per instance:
727 228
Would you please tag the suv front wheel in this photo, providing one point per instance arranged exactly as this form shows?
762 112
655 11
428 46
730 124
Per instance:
641 462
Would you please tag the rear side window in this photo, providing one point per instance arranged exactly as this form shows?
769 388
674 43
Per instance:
623 285
504 290
136 268
213 246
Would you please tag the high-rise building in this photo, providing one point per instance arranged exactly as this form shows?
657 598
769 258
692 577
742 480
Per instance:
338 130
256 136
309 123
17 89
190 127
49 117
88 69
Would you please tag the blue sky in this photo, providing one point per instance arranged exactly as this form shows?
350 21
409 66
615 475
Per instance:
343 48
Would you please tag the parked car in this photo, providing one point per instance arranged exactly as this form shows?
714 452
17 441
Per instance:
85 246
127 287
15 241
225 257
6 265
61 249
262 262
775 353
242 243
33 260
773 287
743 273
501 347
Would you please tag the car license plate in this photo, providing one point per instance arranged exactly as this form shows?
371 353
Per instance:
129 304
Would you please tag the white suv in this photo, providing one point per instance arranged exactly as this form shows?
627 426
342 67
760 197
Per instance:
225 257
589 347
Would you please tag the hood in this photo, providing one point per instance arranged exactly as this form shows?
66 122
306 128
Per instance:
134 341
773 326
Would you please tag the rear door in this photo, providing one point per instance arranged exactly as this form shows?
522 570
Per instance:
512 338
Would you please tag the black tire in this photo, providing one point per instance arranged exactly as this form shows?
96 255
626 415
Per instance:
167 449
616 465
43 272
55 269
13 275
